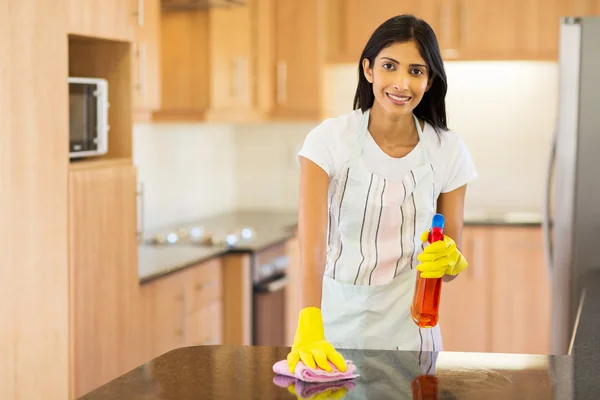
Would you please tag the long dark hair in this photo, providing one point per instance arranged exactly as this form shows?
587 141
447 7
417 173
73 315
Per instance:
404 28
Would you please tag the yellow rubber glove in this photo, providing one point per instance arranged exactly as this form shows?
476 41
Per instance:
310 345
440 258
334 392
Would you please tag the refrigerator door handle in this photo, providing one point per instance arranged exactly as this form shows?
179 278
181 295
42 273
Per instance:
547 237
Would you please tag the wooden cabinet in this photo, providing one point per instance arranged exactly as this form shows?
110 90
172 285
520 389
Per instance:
297 59
464 310
501 303
183 309
146 60
465 29
184 65
350 23
104 279
292 295
108 19
231 64
242 63
520 292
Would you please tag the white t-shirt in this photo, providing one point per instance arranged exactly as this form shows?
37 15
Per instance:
330 144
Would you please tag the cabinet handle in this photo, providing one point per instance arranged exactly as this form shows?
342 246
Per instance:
141 54
140 195
201 286
281 82
140 13
445 30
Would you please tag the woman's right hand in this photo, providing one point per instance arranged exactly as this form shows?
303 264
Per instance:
310 345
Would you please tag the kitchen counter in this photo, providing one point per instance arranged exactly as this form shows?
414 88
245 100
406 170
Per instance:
271 227
484 218
157 261
221 372
586 341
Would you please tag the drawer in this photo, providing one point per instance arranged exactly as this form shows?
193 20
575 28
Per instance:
203 285
204 327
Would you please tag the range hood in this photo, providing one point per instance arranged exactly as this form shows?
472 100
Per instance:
199 4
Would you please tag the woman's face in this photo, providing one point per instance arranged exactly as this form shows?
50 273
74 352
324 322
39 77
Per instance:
400 78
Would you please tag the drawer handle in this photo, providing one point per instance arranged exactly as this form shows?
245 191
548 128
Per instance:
201 286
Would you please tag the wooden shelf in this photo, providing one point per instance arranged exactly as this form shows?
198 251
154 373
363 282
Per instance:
97 163
111 60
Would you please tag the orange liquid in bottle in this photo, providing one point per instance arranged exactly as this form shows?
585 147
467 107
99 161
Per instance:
426 299
426 302
424 387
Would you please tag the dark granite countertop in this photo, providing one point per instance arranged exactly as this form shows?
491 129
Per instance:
586 341
221 372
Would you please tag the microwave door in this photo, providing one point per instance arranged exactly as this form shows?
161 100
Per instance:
83 118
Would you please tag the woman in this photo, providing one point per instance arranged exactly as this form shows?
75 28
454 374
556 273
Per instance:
371 181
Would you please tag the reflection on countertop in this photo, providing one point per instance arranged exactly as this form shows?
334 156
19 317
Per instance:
270 227
222 372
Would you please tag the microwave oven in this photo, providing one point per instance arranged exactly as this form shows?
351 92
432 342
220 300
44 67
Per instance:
88 117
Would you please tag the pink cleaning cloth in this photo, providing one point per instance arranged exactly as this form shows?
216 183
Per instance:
307 390
307 374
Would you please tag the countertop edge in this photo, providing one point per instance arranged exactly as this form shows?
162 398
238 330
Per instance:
143 279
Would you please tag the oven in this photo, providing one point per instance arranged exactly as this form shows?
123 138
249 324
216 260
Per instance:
269 278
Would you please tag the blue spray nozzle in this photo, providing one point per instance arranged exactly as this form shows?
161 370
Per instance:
438 221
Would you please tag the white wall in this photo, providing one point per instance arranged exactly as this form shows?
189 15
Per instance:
505 111
188 171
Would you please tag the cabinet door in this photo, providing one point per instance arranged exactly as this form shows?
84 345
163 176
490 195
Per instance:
164 305
297 59
464 308
109 19
185 65
146 59
230 62
204 327
103 275
520 292
292 306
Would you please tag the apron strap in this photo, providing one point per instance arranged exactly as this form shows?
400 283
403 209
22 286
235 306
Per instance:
360 140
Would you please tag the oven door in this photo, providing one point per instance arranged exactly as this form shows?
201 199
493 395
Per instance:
269 312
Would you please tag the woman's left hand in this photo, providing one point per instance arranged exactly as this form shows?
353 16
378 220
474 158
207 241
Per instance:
440 258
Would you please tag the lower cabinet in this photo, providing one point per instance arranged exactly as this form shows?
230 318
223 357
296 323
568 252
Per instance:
183 309
501 302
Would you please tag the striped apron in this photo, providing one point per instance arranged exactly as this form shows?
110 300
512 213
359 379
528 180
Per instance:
373 243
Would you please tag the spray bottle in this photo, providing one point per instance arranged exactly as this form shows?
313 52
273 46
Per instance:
426 299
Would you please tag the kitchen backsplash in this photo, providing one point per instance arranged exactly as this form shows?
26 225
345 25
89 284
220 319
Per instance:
188 171
505 111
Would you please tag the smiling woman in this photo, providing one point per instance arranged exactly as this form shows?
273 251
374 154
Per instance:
370 182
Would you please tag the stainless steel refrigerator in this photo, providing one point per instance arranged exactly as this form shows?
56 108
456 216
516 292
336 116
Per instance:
572 214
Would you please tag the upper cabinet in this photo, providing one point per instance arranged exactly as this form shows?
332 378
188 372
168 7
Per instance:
263 59
146 59
465 29
107 19
241 63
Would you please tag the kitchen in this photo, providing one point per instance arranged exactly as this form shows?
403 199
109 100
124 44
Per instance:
208 107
